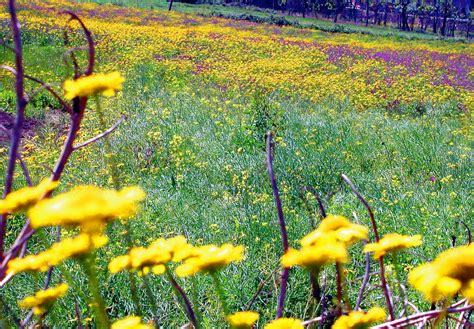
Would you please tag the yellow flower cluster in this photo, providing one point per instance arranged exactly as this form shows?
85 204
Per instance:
43 299
209 258
327 244
57 253
339 227
392 242
130 322
106 84
359 320
285 323
256 57
89 207
155 256
26 197
242 320
451 272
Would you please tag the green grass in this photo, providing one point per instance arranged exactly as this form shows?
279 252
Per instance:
219 192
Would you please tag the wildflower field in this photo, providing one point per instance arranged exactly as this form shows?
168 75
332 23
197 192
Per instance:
222 156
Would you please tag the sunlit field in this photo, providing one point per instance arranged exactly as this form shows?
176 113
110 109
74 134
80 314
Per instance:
392 113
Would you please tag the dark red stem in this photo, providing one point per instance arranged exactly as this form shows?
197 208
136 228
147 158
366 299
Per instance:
385 287
20 115
281 220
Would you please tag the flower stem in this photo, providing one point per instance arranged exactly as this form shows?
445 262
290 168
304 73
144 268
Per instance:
152 299
386 289
340 289
109 158
196 299
220 292
112 165
399 281
97 302
178 290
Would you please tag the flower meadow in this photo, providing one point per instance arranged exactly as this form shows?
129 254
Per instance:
211 173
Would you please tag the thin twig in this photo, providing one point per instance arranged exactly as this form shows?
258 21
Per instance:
469 235
311 321
322 210
461 317
281 220
90 41
399 323
44 86
260 288
78 314
189 309
339 289
101 135
365 203
365 280
385 287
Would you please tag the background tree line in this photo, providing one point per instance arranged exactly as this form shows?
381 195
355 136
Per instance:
445 17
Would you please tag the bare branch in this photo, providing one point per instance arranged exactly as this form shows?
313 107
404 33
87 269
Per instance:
468 230
365 203
19 118
415 318
385 286
260 287
365 280
44 86
308 322
101 135
281 219
322 210
90 41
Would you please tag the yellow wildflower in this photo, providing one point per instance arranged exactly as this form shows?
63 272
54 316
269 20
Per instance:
451 272
130 322
242 320
328 250
43 299
209 258
87 206
120 263
359 320
284 323
105 84
392 242
58 252
26 197
341 227
155 256
177 247
468 291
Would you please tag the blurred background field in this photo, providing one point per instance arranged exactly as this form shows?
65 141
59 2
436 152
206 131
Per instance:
391 110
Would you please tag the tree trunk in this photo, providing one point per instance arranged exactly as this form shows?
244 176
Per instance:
445 18
367 13
435 19
171 5
468 27
376 12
